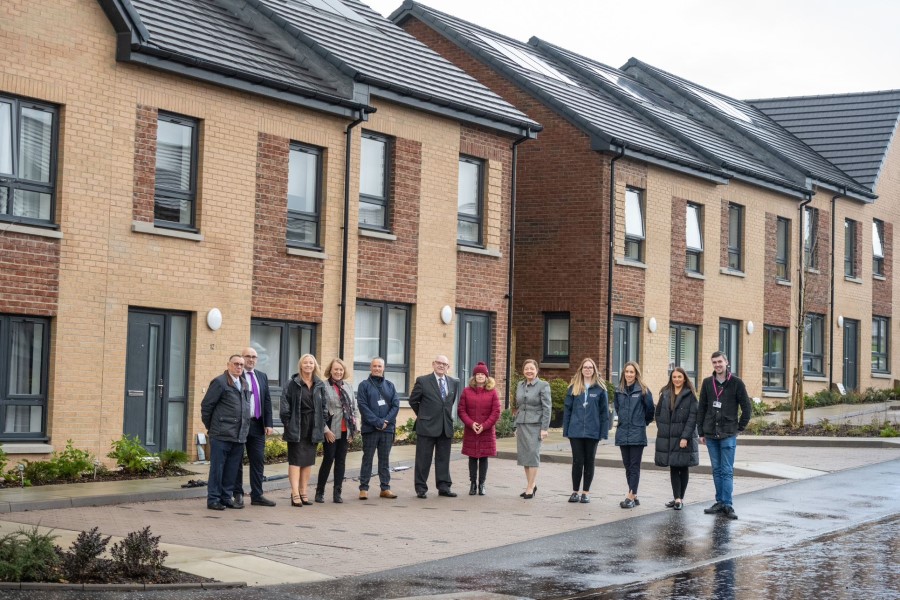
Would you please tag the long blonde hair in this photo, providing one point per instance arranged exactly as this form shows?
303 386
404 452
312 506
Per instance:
578 383
317 372
637 376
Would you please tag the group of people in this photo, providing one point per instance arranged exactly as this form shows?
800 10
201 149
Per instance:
319 407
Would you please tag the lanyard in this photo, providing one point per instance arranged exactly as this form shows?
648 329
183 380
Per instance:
718 391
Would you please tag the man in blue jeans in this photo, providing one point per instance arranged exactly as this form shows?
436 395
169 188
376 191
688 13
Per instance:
718 425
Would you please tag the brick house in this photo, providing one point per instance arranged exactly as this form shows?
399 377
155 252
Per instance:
193 176
711 205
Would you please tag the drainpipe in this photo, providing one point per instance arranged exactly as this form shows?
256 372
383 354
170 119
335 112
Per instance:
612 261
512 262
801 272
831 298
346 239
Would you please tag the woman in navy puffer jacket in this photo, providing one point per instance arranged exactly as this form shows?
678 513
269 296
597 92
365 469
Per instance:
585 423
634 405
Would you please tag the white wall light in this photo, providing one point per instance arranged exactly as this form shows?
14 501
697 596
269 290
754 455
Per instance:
214 319
446 315
651 324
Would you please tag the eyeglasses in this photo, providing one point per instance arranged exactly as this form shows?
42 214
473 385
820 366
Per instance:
443 364
249 356
236 364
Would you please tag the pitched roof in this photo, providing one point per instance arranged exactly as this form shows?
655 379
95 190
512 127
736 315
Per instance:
853 131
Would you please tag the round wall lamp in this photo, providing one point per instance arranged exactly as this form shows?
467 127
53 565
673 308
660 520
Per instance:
651 325
840 320
214 319
446 315
750 327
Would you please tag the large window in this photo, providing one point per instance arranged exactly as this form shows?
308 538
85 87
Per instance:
730 343
783 249
626 344
382 330
814 344
28 145
810 237
304 196
881 345
279 345
24 352
176 171
556 337
735 237
850 248
683 348
774 355
694 239
470 201
878 247
373 182
634 224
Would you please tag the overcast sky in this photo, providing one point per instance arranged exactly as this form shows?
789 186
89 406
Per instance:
758 49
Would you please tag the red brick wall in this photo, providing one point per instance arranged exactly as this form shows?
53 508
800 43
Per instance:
144 163
388 269
777 298
29 274
686 302
882 294
284 286
818 284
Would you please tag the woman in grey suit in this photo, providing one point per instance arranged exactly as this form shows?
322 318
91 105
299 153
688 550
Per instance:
532 422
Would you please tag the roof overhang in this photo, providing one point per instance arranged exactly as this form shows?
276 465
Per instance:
603 144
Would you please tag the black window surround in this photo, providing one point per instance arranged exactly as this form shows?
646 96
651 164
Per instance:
814 345
881 345
783 249
878 247
694 238
635 230
850 248
557 333
290 342
304 226
28 161
175 203
384 346
775 348
470 211
730 343
374 187
23 391
735 237
811 237
680 336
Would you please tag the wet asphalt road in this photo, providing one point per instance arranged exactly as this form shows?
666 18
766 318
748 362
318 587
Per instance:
677 550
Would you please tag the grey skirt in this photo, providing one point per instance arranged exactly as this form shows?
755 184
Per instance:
302 453
528 444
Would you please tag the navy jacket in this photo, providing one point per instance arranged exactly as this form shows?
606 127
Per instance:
586 419
635 412
378 402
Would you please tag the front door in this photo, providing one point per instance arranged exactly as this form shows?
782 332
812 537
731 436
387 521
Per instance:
851 354
474 339
156 370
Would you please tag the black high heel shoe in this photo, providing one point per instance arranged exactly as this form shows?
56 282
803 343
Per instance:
305 500
531 495
298 504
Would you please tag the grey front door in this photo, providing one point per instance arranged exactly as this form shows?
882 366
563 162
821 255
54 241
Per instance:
474 339
156 370
851 354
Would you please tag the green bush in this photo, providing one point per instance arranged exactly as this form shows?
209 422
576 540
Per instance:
558 389
408 431
131 455
82 561
458 430
72 462
138 555
40 471
356 444
276 448
4 459
889 430
171 458
506 424
27 555
759 408
514 379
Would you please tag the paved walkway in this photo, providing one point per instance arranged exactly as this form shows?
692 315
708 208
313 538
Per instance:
289 545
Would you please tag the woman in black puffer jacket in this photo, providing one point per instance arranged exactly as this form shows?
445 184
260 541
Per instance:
677 443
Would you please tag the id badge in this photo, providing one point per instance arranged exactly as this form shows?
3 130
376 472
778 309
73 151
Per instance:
381 402
717 404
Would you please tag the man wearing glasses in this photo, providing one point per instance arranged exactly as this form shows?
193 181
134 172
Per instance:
260 427
432 399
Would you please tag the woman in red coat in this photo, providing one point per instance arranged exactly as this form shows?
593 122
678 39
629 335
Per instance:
479 409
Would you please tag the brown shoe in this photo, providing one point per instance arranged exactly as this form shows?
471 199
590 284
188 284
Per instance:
363 495
388 494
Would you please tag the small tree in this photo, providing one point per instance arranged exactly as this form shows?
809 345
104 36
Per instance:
803 282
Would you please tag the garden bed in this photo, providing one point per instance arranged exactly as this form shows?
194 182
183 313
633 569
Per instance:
824 428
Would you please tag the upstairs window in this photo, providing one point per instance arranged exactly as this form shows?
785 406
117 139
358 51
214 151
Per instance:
304 196
810 237
373 182
878 247
850 248
694 239
783 248
470 201
735 237
176 171
634 224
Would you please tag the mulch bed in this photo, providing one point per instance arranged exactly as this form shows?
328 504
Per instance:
105 475
818 430
107 573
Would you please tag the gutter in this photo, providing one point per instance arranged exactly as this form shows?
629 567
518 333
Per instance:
831 299
801 263
611 263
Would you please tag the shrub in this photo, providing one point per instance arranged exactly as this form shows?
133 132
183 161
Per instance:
170 458
506 424
4 459
276 448
759 408
356 444
72 462
458 430
558 389
514 380
408 431
827 426
27 555
40 471
138 555
757 427
131 455
82 560
888 430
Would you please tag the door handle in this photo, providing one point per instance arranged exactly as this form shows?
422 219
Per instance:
159 388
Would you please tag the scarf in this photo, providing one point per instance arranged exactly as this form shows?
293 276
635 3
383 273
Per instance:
346 408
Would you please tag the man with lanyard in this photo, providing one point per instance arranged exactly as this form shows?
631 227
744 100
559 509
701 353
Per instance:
718 426
378 407
260 427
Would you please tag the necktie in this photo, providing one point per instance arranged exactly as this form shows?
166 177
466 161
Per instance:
256 409
443 388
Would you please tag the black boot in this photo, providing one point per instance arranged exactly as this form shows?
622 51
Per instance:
481 491
473 489
337 496
320 496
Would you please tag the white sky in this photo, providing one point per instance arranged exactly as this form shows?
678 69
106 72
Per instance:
759 49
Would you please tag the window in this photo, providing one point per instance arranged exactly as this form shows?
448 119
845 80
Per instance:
774 353
382 330
373 182
783 248
810 237
626 344
694 239
556 337
850 248
470 201
735 237
24 352
683 349
878 247
304 196
881 345
176 171
28 145
279 345
814 344
730 343
634 224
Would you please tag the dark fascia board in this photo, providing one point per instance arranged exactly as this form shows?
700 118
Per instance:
522 127
868 198
650 71
603 143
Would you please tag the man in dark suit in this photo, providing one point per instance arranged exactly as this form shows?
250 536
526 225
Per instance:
432 400
260 427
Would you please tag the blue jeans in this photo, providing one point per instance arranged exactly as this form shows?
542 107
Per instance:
721 458
224 463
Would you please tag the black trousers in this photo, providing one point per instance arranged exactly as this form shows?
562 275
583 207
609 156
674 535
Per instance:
584 452
439 448
477 469
256 453
679 477
631 458
334 453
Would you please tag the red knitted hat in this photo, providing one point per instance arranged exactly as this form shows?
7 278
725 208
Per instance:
481 368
